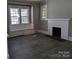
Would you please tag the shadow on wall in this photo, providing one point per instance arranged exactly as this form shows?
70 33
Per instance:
70 27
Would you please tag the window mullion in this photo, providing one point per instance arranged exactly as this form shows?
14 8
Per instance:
20 15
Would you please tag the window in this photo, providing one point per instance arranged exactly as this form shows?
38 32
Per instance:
20 15
14 13
24 15
44 11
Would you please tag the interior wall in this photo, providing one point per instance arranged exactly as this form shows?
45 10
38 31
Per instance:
36 16
8 29
59 8
70 27
43 25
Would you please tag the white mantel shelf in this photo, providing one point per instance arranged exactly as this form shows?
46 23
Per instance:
59 19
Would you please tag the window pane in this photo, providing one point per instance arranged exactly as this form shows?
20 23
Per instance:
24 12
25 15
14 15
14 11
25 19
14 20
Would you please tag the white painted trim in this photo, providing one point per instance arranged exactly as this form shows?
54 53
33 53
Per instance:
70 38
23 32
21 3
8 56
21 29
59 19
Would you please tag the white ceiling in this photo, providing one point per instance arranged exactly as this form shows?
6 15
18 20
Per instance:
33 0
36 0
26 0
30 1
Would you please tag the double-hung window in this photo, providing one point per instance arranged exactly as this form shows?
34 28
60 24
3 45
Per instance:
14 15
19 14
44 11
24 15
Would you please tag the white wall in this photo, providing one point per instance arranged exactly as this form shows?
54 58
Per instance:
59 8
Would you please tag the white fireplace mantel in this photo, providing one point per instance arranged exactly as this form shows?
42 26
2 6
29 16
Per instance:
59 22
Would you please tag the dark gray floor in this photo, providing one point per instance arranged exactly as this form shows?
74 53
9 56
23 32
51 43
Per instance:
39 46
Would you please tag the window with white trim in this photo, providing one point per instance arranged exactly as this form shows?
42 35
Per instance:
44 11
24 15
14 15
20 15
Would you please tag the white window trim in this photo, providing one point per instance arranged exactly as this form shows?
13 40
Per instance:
14 6
45 17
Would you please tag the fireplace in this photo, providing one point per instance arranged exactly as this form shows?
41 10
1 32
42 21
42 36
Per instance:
56 33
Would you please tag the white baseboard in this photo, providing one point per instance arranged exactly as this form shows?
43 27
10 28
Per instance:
22 32
70 38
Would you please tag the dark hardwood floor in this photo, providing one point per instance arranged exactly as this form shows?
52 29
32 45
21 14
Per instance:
38 46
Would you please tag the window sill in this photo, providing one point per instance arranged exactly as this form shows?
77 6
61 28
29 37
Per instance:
20 24
21 29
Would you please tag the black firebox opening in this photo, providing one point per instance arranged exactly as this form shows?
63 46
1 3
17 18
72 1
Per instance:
56 33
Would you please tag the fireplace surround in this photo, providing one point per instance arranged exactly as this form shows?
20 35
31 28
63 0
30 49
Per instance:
62 23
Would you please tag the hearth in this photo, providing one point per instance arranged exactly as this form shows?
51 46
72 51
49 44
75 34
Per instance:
56 33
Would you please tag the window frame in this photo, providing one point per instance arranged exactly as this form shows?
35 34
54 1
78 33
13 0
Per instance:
10 16
21 16
44 16
20 7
